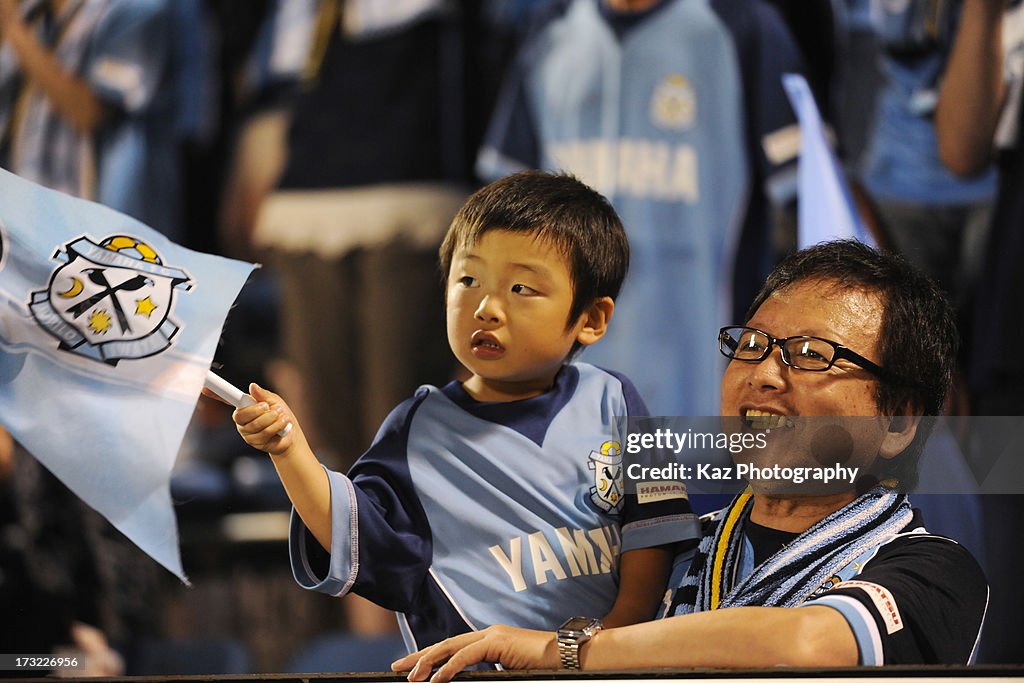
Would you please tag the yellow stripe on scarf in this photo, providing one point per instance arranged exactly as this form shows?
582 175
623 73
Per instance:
728 528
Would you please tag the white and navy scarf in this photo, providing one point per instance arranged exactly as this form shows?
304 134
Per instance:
794 573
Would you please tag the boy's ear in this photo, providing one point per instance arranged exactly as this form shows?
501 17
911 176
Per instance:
595 320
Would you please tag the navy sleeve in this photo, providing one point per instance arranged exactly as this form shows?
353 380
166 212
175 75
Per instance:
634 401
511 142
129 54
920 600
656 518
767 50
381 544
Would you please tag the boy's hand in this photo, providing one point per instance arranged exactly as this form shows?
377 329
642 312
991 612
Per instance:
264 425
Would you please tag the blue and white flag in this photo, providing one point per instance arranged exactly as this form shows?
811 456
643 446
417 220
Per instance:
107 330
826 210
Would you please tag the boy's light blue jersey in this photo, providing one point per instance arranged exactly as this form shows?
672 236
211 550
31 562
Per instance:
464 514
678 116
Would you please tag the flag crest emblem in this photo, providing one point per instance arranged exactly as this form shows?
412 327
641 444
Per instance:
110 300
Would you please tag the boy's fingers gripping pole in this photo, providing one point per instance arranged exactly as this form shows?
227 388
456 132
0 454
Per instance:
234 395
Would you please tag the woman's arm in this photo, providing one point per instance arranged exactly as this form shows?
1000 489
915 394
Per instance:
741 637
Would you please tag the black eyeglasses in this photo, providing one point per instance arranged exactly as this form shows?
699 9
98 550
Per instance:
802 352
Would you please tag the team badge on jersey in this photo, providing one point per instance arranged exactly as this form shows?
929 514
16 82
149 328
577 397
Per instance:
606 493
674 104
110 301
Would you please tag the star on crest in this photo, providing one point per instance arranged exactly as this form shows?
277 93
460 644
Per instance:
145 307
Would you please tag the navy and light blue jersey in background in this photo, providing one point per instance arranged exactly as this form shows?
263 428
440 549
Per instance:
902 161
122 50
465 514
678 116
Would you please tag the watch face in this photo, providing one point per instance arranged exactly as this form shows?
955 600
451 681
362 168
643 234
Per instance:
578 624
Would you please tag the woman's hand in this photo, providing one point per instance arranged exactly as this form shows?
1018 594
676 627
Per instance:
513 648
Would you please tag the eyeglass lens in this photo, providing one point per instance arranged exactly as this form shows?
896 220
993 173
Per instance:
801 352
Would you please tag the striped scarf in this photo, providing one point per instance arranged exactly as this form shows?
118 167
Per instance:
795 572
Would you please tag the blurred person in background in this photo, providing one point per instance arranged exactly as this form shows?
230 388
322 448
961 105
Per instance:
939 221
978 120
87 108
86 105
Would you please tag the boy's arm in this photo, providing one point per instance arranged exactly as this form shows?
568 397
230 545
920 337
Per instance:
302 475
649 547
643 575
382 547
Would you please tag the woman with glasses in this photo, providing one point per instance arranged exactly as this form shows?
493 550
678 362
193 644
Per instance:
842 577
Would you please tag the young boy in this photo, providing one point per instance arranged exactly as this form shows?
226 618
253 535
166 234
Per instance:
498 499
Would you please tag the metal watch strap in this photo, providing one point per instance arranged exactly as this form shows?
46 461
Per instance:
569 654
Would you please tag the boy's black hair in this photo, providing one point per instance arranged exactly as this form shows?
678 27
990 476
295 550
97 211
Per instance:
557 207
917 340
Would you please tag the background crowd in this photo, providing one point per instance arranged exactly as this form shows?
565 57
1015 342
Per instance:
333 140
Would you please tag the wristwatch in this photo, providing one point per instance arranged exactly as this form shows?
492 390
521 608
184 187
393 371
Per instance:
571 635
